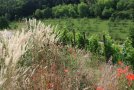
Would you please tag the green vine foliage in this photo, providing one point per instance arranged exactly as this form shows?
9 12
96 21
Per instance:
94 45
64 37
82 42
108 48
111 49
128 52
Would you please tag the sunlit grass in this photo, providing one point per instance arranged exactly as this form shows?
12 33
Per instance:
118 30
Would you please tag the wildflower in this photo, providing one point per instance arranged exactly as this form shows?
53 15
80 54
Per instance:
99 88
66 71
122 71
130 76
50 85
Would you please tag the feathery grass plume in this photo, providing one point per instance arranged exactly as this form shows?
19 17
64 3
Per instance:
12 48
15 45
41 34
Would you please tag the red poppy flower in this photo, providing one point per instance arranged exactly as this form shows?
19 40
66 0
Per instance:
130 76
122 71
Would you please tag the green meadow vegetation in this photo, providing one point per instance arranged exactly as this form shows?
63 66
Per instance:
118 29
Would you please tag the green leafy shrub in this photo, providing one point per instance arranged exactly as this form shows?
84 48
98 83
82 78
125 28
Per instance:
128 53
130 4
47 12
111 3
128 14
3 23
65 11
38 14
112 50
117 53
64 37
60 11
73 10
98 8
83 10
107 12
91 10
121 5
82 41
94 45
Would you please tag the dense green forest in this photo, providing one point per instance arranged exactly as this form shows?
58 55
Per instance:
17 9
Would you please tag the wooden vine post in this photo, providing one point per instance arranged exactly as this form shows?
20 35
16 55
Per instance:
84 37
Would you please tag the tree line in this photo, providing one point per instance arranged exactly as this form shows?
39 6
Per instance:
15 9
